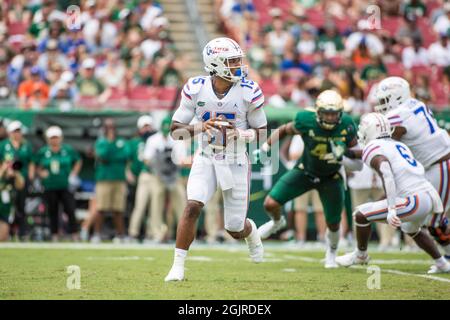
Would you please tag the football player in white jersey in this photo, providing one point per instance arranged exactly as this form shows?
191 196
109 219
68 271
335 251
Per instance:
410 198
415 126
227 112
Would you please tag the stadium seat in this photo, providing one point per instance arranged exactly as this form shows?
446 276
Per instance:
268 87
167 97
395 69
391 24
118 99
86 102
441 94
316 17
142 97
15 28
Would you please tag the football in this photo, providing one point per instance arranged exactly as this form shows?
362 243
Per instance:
219 135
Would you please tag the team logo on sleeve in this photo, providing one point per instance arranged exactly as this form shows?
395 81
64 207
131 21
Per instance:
201 103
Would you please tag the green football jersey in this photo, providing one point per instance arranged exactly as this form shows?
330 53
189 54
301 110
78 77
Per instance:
58 164
317 158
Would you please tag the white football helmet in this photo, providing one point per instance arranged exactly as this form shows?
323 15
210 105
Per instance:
329 101
373 126
216 55
391 93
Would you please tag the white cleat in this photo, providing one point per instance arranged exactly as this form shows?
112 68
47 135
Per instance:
330 259
271 227
254 243
351 258
175 274
439 269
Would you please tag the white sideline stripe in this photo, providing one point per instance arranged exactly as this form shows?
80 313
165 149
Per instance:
408 274
308 259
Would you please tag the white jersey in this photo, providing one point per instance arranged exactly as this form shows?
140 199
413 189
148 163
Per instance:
241 105
409 174
426 140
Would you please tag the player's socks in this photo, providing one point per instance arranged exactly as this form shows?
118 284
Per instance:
361 253
440 261
332 239
447 251
180 256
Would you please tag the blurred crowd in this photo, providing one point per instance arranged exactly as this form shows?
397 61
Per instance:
101 51
297 48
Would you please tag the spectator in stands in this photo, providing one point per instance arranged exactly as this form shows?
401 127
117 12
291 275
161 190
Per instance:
307 42
33 92
442 23
42 18
292 62
165 158
52 55
58 165
88 84
18 13
5 89
357 103
55 32
297 23
268 69
439 52
422 90
28 57
64 91
415 55
283 99
99 32
278 40
10 179
142 177
415 7
374 70
300 95
409 31
365 36
168 71
112 73
17 149
112 154
330 40
151 11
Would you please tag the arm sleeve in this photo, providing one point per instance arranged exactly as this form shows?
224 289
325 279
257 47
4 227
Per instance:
352 164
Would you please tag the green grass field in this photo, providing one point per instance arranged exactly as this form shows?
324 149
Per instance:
137 272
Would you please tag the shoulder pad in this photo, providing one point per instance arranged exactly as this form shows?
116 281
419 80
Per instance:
250 90
194 84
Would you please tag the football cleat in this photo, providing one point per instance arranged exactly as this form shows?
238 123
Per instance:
175 274
352 258
271 227
330 259
439 269
254 243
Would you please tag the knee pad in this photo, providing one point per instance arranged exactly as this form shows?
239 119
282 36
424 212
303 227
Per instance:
235 224
439 233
